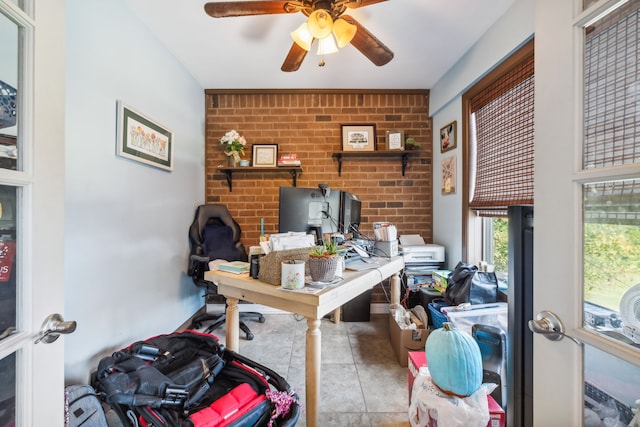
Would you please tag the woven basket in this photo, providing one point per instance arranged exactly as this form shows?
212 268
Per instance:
322 269
271 264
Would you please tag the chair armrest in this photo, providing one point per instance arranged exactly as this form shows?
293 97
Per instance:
198 264
199 258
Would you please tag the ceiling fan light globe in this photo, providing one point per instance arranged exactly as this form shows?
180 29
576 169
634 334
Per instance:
327 45
344 32
302 37
320 24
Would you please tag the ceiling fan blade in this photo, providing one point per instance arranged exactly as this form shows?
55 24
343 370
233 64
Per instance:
294 58
245 8
369 45
362 3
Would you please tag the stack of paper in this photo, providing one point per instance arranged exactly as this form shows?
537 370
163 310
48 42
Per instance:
385 231
291 240
412 240
237 267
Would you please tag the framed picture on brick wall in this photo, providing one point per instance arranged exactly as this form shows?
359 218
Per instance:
359 137
395 140
265 154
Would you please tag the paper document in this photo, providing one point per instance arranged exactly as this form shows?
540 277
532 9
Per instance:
385 231
412 240
359 265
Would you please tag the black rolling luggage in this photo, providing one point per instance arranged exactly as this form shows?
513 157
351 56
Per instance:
189 379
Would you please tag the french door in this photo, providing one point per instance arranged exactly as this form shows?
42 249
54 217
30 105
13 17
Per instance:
31 210
587 184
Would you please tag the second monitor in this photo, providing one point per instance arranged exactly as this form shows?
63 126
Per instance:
318 211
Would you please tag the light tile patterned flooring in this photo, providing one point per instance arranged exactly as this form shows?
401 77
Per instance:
362 383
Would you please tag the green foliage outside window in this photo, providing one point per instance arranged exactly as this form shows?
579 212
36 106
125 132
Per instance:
500 244
611 262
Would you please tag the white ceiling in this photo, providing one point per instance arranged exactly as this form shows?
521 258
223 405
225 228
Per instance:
426 36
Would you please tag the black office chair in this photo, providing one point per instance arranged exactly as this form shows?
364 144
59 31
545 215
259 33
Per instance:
214 234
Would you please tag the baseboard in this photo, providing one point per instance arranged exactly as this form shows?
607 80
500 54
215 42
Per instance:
378 308
219 308
187 324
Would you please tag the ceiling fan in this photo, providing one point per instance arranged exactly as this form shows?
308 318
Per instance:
326 23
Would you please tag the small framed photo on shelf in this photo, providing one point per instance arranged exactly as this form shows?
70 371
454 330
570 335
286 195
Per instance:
359 137
395 140
265 155
448 137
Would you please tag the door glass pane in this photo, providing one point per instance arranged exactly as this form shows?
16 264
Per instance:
8 93
611 388
612 89
8 291
612 259
8 390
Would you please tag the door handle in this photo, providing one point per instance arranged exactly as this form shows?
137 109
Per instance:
549 324
53 326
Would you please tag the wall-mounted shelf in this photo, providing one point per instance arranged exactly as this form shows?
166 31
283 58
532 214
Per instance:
228 171
404 156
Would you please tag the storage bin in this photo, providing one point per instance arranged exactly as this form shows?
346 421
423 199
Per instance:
270 270
437 317
492 314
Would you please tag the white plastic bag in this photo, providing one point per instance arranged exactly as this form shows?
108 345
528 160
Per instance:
431 407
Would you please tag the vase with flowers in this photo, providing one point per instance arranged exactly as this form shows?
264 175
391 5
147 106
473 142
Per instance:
233 146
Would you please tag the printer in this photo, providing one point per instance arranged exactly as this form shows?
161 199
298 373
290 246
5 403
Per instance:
426 254
420 260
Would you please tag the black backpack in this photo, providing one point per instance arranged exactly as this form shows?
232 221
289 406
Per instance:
189 379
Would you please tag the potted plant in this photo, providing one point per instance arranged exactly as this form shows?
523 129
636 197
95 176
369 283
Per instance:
323 261
234 146
411 144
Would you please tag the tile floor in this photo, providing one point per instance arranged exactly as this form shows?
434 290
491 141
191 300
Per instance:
362 383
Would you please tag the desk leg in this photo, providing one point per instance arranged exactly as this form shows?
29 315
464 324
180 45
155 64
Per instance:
312 367
233 324
395 289
337 314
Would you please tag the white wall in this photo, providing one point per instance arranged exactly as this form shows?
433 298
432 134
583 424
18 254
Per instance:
514 29
126 245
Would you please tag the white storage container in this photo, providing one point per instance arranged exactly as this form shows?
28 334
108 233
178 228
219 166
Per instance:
493 314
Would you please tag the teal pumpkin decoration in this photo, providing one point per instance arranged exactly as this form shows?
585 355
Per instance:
454 361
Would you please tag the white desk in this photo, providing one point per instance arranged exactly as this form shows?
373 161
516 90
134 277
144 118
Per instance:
312 306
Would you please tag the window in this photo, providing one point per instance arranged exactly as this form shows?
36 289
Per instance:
611 200
498 160
610 186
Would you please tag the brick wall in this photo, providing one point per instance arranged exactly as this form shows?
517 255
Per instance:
308 123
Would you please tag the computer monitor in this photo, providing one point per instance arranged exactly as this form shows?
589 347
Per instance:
308 210
350 206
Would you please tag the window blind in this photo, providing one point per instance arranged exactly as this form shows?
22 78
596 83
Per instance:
612 113
612 89
501 129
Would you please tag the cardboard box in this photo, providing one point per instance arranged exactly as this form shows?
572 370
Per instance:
405 340
418 359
